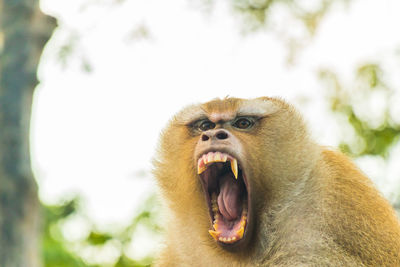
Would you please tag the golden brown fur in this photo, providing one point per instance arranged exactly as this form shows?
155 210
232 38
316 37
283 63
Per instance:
312 206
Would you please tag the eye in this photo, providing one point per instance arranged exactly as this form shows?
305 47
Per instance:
243 123
206 125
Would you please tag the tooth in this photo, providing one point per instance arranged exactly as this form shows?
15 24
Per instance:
217 156
201 169
210 157
214 234
224 157
214 204
224 239
205 159
234 238
220 239
229 239
240 232
215 225
234 167
243 222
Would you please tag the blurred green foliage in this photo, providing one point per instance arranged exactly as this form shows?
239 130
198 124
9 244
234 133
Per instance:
368 77
255 13
293 22
96 238
370 140
57 250
54 250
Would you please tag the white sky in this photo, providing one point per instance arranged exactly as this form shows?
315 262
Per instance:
94 133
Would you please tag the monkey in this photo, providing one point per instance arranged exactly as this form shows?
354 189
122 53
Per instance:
244 184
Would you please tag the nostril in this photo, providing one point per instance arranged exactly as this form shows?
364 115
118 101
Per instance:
222 135
204 137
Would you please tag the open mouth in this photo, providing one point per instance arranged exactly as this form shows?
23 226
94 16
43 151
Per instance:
227 193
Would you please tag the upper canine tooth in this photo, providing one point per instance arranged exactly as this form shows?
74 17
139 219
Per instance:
201 169
234 167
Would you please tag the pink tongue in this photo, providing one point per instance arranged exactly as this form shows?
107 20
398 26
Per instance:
228 198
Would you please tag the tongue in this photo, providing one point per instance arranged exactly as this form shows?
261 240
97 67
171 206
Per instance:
229 197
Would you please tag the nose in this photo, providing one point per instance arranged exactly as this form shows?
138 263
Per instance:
216 135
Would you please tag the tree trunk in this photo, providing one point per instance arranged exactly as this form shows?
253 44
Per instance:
24 30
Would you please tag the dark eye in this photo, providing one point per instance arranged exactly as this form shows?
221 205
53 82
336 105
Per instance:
206 125
243 123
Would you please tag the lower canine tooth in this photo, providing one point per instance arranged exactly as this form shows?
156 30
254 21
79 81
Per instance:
240 232
214 234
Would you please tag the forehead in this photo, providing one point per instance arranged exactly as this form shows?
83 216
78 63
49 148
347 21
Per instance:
229 108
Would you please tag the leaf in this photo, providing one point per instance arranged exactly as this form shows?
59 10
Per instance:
97 238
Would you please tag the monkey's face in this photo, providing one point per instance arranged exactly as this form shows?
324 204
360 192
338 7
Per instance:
218 157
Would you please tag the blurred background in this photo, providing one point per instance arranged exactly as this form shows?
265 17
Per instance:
86 86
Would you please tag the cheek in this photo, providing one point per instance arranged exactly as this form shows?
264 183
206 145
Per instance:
177 144
180 187
177 171
254 145
260 158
